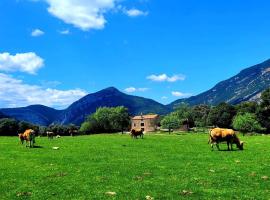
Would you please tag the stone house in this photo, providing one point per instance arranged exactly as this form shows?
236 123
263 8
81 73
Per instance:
148 123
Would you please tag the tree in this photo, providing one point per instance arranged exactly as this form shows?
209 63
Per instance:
170 122
200 114
221 115
246 123
184 114
120 118
8 127
263 112
246 107
24 126
107 120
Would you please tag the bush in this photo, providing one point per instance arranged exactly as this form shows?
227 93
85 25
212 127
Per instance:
246 123
107 120
8 127
170 122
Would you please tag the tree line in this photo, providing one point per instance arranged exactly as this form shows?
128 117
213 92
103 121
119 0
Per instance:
244 117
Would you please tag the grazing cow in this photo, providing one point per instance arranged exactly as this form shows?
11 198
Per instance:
73 132
28 136
218 135
50 134
136 133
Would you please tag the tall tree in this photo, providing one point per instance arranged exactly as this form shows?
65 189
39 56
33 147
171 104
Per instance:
170 122
246 123
263 112
221 115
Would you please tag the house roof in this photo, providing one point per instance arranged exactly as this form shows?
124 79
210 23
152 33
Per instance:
139 117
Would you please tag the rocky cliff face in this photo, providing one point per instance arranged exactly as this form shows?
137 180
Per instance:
245 86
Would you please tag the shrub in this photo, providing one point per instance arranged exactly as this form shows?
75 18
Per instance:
246 123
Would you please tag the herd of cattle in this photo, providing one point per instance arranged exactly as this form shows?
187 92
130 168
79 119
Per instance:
216 136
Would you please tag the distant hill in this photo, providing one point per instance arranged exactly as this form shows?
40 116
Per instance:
3 116
87 105
36 114
245 86
110 97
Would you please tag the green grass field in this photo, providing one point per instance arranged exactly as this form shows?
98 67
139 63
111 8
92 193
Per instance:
161 166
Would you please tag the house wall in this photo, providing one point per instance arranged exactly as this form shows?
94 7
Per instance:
150 125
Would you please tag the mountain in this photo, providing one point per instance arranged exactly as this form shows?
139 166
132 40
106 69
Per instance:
87 105
110 97
3 115
245 86
36 114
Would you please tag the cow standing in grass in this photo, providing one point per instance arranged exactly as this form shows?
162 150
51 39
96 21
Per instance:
28 136
50 134
218 135
136 133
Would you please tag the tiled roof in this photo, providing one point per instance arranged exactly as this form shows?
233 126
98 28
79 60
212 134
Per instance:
145 117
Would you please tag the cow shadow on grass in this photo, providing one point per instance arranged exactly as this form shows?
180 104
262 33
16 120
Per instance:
37 147
226 150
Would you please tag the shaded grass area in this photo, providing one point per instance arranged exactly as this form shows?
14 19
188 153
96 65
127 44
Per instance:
161 166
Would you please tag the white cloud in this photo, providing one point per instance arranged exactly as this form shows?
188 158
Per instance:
135 12
83 14
37 32
164 77
64 32
175 78
23 62
164 97
133 89
16 93
180 94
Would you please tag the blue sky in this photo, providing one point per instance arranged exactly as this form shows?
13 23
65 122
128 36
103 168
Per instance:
53 52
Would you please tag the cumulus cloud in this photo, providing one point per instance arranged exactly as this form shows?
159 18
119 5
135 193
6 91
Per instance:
180 94
83 14
135 12
164 77
133 89
16 93
37 32
23 62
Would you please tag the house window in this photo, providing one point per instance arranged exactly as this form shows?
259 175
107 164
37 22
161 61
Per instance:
142 124
134 125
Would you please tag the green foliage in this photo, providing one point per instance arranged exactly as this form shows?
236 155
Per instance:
263 112
246 107
184 114
8 127
107 119
60 129
221 115
246 123
200 114
171 122
22 126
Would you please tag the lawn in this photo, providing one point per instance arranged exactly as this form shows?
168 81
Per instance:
161 166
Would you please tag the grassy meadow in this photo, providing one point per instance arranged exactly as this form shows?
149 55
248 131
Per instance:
161 166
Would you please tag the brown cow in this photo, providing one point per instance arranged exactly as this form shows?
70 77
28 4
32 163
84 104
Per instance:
28 136
218 135
135 133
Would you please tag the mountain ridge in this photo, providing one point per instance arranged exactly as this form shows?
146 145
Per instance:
247 85
77 111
